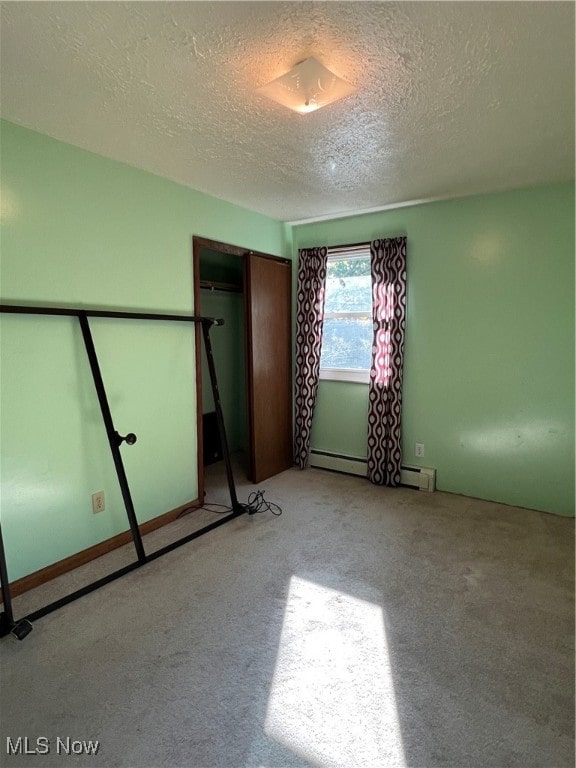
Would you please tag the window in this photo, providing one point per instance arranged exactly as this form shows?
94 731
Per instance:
347 331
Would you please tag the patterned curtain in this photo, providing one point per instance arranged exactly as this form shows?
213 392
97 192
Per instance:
388 264
312 263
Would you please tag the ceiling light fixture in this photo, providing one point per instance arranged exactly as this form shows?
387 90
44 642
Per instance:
307 87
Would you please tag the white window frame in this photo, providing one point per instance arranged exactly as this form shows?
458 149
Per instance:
359 376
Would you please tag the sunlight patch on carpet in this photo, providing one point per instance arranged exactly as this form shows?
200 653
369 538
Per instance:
332 697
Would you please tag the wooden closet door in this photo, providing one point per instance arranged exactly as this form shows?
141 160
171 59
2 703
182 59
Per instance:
269 365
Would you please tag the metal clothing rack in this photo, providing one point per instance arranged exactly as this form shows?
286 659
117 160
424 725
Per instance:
21 627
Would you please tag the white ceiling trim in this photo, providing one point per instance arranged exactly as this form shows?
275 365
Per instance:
378 209
393 206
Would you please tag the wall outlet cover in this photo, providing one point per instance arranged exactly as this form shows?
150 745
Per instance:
98 502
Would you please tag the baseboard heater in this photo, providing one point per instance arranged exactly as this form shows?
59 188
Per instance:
422 478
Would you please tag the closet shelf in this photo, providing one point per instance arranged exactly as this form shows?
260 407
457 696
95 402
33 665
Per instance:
214 285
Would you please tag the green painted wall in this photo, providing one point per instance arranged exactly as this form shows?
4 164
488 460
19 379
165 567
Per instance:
228 349
489 363
489 376
79 229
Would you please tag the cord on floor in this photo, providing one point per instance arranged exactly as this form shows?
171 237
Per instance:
256 504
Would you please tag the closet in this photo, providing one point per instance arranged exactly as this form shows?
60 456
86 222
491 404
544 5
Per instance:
251 291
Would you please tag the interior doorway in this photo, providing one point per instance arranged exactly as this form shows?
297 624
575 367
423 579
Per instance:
251 292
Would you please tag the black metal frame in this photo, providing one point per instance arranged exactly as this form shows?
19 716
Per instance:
21 627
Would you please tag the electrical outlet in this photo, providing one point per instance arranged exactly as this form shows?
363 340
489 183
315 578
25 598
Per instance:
98 502
419 452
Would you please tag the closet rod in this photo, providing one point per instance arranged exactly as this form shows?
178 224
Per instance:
210 285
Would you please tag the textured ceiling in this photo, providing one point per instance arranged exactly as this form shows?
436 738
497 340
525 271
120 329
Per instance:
452 97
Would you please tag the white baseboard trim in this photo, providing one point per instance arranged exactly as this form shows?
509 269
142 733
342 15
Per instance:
423 478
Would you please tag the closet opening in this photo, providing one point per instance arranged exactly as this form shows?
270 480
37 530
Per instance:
251 292
220 282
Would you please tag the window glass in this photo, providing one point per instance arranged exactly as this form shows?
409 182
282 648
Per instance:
347 332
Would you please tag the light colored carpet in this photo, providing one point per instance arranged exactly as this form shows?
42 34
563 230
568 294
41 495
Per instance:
363 627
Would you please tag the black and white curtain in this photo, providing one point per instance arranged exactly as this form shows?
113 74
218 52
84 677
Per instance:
312 263
388 267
